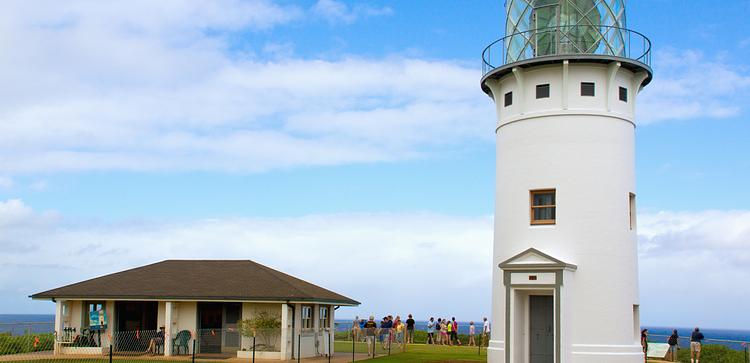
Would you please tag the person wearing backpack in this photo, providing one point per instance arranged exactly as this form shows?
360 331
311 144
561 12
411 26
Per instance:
673 342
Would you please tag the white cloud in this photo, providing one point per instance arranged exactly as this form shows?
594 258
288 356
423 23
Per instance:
693 268
6 182
689 261
159 90
360 255
339 12
687 85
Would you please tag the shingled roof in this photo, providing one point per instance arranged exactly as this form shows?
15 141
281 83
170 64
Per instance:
242 280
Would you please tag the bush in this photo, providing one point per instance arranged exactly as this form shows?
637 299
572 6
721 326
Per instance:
265 326
714 353
26 343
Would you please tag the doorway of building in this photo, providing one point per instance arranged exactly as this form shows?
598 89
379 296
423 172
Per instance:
218 328
232 315
541 329
209 328
135 324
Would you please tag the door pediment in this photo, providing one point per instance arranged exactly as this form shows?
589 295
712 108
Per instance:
533 259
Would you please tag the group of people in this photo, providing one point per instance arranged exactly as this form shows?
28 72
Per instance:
390 330
394 330
445 332
696 340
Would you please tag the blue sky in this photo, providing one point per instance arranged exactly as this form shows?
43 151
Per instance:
292 132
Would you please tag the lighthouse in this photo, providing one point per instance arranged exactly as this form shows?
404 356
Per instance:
564 81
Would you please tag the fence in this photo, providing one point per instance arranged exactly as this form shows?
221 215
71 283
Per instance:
729 350
361 343
92 346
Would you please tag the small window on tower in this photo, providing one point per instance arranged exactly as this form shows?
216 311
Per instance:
508 99
588 89
631 206
542 91
623 94
543 206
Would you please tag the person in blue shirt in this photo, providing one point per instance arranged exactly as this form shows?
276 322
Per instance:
696 339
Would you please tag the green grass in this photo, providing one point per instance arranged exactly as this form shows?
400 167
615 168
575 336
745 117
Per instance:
714 354
436 353
415 352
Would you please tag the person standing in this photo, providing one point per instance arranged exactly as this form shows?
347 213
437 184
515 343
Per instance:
472 332
370 332
449 331
486 332
439 331
431 331
398 327
454 330
696 340
355 329
644 343
410 330
673 342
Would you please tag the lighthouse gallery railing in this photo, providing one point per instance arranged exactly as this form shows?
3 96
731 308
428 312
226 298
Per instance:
567 40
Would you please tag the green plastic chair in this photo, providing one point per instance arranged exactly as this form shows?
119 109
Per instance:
181 340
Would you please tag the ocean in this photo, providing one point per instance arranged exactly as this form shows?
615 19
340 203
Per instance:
656 332
43 323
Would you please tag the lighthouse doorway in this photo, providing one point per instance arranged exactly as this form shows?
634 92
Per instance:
541 329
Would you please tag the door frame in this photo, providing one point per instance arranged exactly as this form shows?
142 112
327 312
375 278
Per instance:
524 273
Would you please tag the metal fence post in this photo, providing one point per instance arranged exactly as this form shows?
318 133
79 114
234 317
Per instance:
299 342
330 348
253 348
110 353
353 348
390 339
193 350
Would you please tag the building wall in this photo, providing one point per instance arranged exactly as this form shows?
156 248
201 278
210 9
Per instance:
584 147
160 315
184 316
251 309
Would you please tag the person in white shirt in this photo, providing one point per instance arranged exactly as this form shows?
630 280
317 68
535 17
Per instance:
486 332
431 331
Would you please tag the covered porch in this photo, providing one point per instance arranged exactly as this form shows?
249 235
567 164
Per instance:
208 328
203 307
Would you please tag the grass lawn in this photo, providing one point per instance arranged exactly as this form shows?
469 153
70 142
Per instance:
432 353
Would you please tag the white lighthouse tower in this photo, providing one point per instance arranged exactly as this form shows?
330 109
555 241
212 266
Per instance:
565 275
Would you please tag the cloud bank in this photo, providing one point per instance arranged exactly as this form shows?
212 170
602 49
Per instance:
387 261
142 86
188 85
690 85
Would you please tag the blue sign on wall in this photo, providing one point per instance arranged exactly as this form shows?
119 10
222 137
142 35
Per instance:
98 320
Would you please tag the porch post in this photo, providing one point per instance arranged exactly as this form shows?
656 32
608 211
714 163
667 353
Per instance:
59 324
297 329
285 348
168 328
331 327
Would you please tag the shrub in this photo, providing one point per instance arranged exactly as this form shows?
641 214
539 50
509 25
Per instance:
265 326
715 354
